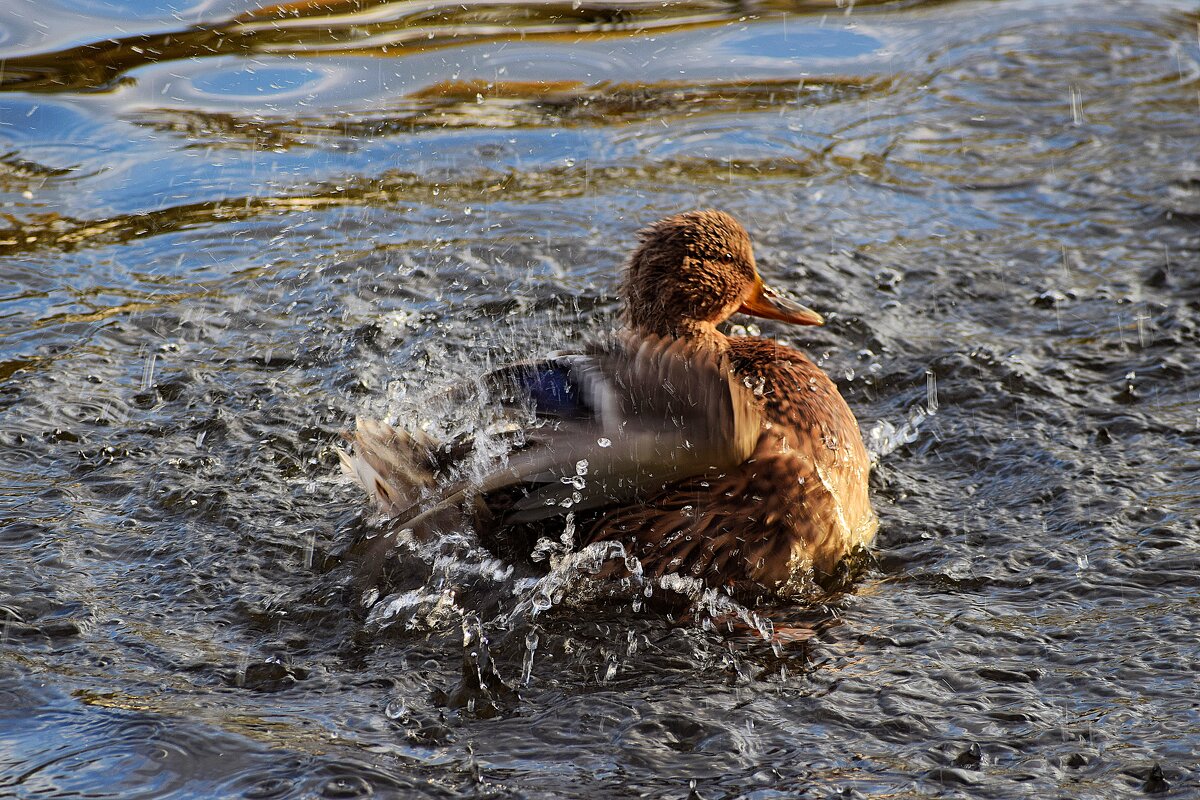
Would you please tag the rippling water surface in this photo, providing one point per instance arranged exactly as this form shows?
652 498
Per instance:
227 229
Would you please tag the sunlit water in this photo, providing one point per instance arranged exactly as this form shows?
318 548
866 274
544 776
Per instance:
225 231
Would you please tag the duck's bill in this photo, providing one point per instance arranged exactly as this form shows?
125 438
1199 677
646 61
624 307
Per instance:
764 302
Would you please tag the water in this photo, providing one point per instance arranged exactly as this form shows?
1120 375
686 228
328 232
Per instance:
226 231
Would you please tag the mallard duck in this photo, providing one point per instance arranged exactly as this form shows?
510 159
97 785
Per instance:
732 460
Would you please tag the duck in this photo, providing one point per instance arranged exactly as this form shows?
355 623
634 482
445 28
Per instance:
730 461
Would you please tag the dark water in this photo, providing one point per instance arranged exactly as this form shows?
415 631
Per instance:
225 231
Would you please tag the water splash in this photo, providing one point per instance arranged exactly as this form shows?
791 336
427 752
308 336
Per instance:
415 609
571 571
714 608
482 692
531 645
885 437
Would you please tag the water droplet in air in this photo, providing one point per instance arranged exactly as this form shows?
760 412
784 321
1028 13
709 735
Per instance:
531 645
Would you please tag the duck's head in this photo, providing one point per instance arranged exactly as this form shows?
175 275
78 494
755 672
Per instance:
693 271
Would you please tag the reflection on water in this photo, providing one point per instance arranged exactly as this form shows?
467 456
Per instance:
225 230
389 29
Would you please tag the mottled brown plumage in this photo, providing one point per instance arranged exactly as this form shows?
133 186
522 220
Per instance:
794 509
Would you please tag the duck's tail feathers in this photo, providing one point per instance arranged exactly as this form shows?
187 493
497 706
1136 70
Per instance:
393 466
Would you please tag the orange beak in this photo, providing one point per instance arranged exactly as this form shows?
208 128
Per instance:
764 302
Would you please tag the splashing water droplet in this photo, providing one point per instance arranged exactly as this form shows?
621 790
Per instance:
531 645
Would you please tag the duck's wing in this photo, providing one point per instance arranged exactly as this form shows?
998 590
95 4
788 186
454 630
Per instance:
551 388
615 423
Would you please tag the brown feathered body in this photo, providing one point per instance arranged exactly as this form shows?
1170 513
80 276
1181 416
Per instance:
734 461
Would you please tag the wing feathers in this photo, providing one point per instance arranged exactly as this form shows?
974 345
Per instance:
643 411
